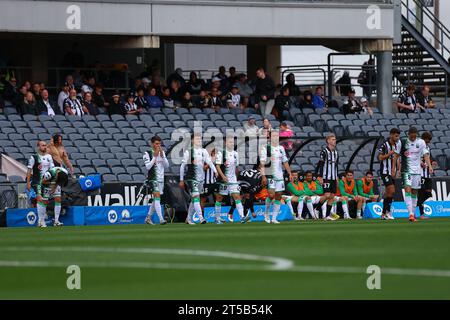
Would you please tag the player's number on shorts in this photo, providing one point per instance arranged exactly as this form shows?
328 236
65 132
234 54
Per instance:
326 185
422 181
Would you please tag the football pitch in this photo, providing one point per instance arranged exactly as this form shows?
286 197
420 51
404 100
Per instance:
293 260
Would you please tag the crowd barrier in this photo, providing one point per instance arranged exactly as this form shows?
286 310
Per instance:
111 215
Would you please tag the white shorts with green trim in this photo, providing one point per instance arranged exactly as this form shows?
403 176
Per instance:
46 193
226 189
277 185
412 180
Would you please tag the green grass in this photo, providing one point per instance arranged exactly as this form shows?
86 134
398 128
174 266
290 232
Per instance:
356 244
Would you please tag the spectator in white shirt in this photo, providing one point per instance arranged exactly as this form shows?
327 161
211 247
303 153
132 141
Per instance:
63 95
45 106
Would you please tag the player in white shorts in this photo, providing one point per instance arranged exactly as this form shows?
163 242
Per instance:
411 152
278 160
227 162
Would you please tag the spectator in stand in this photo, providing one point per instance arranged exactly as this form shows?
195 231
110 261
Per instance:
27 84
141 100
282 103
366 109
307 101
344 84
351 105
89 85
42 86
195 85
407 101
319 99
266 128
167 99
70 81
137 84
28 105
153 100
286 133
98 98
204 99
233 98
90 104
175 92
264 92
187 102
215 102
11 92
245 90
177 75
215 84
156 83
73 105
368 77
116 106
59 154
233 77
223 79
250 126
130 106
424 100
45 106
63 95
294 90
36 90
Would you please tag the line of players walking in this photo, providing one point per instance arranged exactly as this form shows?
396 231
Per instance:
410 156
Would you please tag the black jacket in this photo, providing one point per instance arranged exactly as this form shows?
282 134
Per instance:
264 87
42 108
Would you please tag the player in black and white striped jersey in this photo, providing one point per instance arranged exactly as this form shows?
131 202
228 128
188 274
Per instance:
426 183
327 172
210 187
388 155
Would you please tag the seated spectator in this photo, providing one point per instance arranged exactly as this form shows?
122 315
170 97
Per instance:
294 90
28 105
62 96
351 105
307 101
424 100
73 105
156 83
286 132
215 84
130 106
167 99
153 100
282 103
195 85
204 99
264 92
187 102
116 106
319 99
215 102
250 126
223 79
177 75
233 98
176 92
266 128
245 90
89 85
98 98
36 90
233 77
90 105
366 109
141 100
45 106
407 101
11 92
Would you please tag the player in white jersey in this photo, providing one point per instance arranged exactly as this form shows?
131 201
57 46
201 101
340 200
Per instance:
227 162
38 164
156 162
412 151
194 160
278 160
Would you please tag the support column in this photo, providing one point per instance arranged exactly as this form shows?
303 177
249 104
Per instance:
256 57
384 81
39 61
169 59
273 60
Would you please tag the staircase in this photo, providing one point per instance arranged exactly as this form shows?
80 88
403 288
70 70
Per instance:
416 60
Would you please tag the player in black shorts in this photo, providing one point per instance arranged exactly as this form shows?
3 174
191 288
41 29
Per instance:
426 183
388 155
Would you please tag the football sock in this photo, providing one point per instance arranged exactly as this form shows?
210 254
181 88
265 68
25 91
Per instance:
57 210
157 205
276 209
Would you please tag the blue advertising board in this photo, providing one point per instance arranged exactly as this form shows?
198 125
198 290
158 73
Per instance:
29 218
117 215
432 209
284 214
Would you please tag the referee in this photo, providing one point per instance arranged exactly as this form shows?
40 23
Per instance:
327 172
426 183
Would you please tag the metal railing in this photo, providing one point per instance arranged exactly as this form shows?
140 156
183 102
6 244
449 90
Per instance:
443 39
